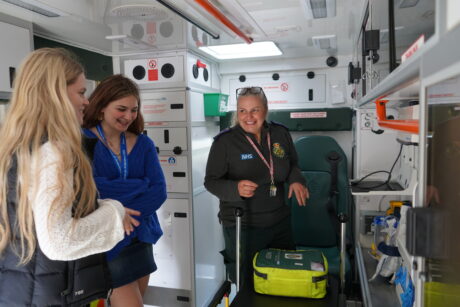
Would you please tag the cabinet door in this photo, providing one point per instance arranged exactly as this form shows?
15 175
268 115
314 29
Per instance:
16 44
163 106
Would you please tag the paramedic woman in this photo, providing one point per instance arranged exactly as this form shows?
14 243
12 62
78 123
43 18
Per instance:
247 168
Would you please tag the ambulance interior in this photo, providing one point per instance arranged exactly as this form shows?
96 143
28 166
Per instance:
382 78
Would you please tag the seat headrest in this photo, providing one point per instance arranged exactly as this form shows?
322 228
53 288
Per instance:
314 152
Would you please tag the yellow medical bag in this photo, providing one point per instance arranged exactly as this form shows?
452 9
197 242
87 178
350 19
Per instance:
301 273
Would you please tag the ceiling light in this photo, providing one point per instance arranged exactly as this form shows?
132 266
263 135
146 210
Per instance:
37 7
240 51
408 3
318 8
325 41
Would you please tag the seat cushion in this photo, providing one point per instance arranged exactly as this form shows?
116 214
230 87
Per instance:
311 224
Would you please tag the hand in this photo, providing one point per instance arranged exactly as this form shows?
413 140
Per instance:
129 222
246 188
300 191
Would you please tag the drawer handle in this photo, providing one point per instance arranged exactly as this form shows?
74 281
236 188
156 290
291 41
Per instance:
180 214
178 174
176 106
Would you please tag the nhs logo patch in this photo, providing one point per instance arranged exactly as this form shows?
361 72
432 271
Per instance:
247 156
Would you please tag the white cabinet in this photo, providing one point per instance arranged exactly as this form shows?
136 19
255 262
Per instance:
16 44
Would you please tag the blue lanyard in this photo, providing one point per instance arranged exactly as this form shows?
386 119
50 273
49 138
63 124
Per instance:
123 166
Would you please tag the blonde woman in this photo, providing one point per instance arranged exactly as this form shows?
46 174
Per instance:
48 213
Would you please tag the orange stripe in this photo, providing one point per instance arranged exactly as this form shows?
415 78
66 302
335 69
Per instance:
406 125
211 9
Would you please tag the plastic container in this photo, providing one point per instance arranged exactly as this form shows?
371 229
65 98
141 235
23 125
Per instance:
215 104
379 236
379 225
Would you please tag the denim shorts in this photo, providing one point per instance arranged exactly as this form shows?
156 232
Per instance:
133 262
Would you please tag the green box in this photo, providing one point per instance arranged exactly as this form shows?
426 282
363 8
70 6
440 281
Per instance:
215 104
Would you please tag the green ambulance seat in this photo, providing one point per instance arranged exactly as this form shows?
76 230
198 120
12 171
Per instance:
312 224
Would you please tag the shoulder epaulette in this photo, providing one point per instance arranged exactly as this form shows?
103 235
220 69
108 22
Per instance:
279 124
222 132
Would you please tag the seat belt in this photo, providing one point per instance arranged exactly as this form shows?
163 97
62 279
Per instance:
333 158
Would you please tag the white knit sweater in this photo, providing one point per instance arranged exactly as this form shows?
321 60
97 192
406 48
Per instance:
67 238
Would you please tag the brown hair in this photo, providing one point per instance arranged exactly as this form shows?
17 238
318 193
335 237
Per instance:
111 89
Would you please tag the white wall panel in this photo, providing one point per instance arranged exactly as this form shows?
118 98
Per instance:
172 251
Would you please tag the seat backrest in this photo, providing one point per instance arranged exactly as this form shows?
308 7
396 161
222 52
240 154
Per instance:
312 225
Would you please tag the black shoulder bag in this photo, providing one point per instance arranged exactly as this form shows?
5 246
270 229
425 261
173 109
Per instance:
88 280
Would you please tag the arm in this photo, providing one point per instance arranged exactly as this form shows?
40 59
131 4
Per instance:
216 172
157 183
60 236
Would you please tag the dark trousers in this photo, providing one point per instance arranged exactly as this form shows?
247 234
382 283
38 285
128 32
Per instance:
252 241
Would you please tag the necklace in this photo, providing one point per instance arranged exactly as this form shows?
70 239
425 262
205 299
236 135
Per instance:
113 148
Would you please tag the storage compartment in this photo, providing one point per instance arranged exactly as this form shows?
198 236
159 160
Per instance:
15 47
215 104
163 106
176 173
174 139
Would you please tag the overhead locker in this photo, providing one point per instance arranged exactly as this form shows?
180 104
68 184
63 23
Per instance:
198 71
15 47
155 70
161 34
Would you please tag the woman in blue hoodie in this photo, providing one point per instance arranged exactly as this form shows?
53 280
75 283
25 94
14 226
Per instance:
126 168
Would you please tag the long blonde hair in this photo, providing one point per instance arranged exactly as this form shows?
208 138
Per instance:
41 111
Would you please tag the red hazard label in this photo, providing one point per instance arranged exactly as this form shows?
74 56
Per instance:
153 74
151 27
284 87
152 64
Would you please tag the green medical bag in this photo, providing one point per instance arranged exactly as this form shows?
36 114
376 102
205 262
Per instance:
301 273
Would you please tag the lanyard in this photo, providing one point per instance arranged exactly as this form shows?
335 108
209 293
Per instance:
270 166
123 164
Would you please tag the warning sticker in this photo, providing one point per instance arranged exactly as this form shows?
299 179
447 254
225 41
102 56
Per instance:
308 114
153 74
284 87
152 64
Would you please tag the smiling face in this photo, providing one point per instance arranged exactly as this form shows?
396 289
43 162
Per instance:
251 114
76 92
120 114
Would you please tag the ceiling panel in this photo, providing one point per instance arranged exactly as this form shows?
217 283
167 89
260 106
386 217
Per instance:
282 21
